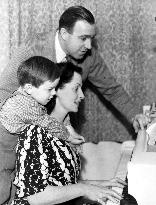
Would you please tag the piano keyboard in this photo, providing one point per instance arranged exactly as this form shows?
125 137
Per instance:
121 172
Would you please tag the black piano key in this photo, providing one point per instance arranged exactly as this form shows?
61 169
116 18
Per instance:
127 198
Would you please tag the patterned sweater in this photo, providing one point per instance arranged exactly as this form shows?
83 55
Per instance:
22 110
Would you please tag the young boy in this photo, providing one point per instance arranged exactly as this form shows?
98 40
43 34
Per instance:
37 79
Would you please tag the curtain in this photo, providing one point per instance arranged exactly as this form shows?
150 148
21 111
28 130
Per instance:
4 34
127 39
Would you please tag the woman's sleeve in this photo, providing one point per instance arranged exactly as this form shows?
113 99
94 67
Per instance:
32 167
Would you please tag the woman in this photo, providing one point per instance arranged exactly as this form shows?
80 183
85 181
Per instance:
47 167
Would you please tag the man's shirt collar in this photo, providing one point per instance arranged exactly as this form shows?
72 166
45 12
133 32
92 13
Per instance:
60 54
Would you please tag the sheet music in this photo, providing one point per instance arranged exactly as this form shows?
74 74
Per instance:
121 172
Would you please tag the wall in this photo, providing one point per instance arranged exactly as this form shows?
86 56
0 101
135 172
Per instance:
127 39
4 34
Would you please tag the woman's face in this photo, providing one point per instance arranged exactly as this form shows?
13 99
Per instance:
71 94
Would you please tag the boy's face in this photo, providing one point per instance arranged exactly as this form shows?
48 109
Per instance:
44 92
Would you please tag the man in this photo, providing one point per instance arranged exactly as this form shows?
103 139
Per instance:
73 40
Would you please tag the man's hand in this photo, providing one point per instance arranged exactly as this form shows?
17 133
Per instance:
140 121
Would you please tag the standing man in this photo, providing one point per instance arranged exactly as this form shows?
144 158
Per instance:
73 40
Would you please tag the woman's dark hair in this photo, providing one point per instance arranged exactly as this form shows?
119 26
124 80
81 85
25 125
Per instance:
74 14
68 70
36 70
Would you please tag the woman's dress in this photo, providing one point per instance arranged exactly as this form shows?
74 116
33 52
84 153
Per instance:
42 160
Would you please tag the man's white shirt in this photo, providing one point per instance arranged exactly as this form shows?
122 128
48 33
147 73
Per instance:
60 54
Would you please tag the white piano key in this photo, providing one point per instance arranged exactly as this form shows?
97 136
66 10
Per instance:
121 171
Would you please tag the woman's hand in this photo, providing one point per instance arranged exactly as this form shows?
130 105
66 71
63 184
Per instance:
101 194
115 182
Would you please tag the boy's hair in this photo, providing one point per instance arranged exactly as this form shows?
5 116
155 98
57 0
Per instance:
36 70
68 73
73 14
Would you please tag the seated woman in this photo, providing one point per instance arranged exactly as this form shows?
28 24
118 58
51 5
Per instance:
47 167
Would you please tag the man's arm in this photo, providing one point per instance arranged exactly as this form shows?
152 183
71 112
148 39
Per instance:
100 76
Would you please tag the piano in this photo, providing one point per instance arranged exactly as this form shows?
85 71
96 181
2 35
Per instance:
142 169
138 166
135 162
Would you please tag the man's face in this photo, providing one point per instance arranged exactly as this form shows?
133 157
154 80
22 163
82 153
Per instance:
80 40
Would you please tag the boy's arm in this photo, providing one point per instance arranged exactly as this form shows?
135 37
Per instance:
74 137
20 111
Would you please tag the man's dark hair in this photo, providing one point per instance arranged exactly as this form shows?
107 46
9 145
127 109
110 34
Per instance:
36 70
74 14
67 73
